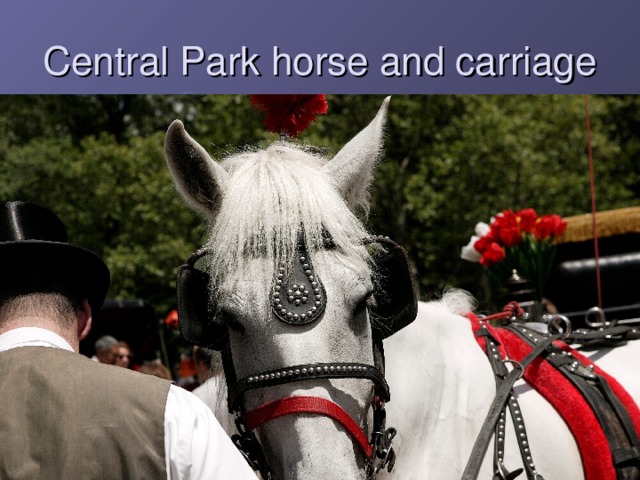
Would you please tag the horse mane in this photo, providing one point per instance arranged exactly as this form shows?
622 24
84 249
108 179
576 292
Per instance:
271 193
458 301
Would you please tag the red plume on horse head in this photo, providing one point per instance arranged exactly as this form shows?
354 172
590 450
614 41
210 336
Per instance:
289 114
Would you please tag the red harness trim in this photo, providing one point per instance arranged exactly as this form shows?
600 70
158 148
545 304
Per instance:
291 405
559 392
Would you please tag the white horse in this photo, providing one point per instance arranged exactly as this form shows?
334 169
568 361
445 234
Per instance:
441 381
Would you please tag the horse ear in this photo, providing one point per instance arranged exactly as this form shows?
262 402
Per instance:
351 170
197 177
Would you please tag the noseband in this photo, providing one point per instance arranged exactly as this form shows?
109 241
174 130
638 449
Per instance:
298 298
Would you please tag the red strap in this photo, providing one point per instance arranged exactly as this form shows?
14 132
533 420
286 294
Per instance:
289 405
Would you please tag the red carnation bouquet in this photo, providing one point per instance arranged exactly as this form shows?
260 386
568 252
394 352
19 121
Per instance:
521 241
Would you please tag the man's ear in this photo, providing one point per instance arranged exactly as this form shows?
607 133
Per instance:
84 319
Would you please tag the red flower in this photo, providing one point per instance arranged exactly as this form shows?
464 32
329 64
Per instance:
506 230
483 242
172 319
550 226
527 220
289 114
493 254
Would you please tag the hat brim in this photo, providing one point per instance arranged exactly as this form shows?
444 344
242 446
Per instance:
89 274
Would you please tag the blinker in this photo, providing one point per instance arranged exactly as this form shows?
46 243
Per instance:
298 292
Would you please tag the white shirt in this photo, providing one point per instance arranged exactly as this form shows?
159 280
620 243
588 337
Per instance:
196 447
208 392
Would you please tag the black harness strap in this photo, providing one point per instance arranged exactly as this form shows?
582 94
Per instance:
309 371
503 393
500 371
611 414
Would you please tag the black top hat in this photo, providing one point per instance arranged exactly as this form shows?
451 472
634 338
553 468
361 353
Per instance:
33 235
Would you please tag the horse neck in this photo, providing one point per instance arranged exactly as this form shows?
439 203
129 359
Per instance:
438 372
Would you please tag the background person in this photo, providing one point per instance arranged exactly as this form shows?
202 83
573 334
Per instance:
156 368
103 348
64 415
122 354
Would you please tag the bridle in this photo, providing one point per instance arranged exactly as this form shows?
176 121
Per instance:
377 450
298 298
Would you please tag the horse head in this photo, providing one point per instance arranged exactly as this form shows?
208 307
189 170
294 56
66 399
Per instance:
298 296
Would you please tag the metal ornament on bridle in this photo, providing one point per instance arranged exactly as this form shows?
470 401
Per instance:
298 297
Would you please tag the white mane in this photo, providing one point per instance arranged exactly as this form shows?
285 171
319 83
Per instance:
271 194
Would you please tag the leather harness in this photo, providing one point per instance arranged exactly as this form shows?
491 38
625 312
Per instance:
611 411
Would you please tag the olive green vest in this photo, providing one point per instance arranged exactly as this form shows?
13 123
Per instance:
64 416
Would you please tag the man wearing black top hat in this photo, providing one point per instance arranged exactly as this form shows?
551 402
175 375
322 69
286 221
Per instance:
65 416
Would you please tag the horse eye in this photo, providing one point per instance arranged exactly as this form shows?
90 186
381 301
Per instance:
233 323
364 302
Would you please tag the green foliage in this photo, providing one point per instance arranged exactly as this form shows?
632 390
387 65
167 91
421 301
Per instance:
450 162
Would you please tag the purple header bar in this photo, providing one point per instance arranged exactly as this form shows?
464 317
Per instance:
332 46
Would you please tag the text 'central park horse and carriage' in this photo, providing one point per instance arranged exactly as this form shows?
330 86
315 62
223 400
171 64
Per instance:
315 321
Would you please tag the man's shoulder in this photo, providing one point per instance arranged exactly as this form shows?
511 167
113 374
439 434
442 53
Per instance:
85 374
